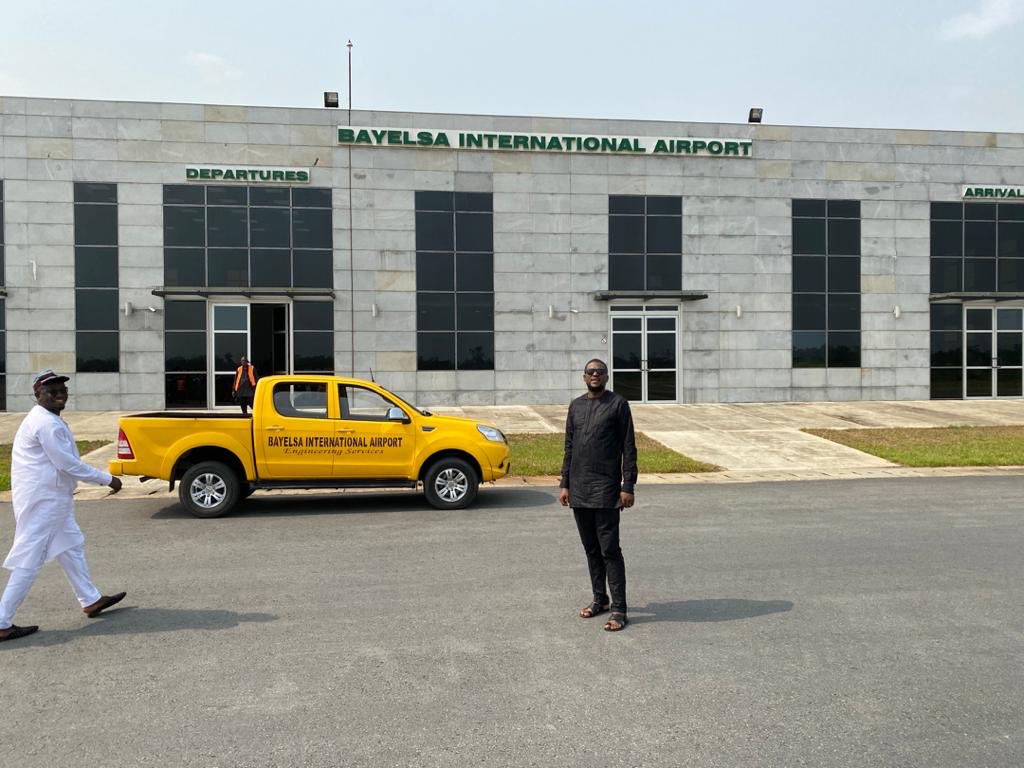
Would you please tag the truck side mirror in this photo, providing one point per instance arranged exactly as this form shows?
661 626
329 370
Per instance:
397 414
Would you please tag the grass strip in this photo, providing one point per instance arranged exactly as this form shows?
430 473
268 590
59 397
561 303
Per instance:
936 446
541 454
84 447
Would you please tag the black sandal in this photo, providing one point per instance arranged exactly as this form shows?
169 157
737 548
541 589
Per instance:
616 622
592 610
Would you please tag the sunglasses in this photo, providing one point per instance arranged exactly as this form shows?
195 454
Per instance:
595 371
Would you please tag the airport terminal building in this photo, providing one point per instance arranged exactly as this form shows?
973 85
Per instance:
482 260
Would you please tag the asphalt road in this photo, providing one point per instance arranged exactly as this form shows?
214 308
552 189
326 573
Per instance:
850 623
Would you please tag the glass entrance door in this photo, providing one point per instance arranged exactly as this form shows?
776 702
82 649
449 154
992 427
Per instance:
229 335
644 367
993 359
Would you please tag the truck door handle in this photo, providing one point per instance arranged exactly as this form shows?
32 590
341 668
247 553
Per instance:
274 428
344 430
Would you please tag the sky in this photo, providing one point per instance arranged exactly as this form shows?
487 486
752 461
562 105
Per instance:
934 64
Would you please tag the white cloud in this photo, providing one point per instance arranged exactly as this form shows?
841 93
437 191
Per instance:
212 68
990 17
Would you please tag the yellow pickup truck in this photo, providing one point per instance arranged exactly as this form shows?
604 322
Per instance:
313 431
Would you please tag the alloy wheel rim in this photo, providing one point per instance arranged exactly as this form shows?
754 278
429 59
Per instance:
451 484
208 490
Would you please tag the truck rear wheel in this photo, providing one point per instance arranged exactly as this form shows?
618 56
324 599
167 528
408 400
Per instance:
209 489
450 483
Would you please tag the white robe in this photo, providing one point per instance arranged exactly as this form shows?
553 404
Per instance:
45 468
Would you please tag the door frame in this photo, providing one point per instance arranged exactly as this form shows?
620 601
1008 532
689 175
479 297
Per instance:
992 307
211 363
643 312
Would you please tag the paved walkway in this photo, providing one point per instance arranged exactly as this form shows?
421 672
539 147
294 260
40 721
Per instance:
752 442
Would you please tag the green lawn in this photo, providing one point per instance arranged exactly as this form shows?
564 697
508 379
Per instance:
84 447
936 447
542 455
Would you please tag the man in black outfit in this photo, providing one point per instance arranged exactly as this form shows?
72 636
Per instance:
598 477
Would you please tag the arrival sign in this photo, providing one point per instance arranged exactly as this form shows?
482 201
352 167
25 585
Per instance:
355 136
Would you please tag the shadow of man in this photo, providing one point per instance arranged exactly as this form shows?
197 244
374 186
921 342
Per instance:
141 621
720 609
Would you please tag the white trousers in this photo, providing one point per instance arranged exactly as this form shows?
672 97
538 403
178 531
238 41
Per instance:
21 580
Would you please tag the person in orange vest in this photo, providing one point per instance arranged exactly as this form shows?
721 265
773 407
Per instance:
245 384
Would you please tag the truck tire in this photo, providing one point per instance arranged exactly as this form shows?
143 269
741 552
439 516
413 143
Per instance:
450 483
209 489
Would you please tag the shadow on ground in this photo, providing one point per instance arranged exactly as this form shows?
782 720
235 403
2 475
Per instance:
257 505
141 621
722 609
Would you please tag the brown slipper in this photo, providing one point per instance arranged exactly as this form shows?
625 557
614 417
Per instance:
13 632
616 622
94 610
592 610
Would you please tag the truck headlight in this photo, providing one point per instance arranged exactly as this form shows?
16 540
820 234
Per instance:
492 434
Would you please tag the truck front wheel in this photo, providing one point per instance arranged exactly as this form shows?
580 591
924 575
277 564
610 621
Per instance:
450 484
209 489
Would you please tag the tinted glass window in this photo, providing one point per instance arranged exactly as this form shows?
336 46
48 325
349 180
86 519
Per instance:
844 237
184 226
314 351
808 273
227 196
270 268
95 224
183 390
227 227
435 351
96 352
813 208
980 239
842 209
947 348
95 267
435 231
1011 239
311 197
435 201
185 315
96 309
311 228
947 238
626 272
809 236
185 351
844 349
474 201
86 192
664 206
664 234
227 267
843 312
181 194
979 274
979 212
954 211
313 269
844 274
1011 275
808 349
435 271
627 204
474 232
269 227
313 315
475 311
269 196
475 351
947 317
809 311
435 311
947 275
474 272
184 267
625 234
664 272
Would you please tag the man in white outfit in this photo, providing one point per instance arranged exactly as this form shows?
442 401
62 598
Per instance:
45 468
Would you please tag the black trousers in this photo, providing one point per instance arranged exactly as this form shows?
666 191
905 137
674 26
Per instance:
599 532
244 402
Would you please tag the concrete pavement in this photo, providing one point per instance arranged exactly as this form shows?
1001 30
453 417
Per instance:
751 442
